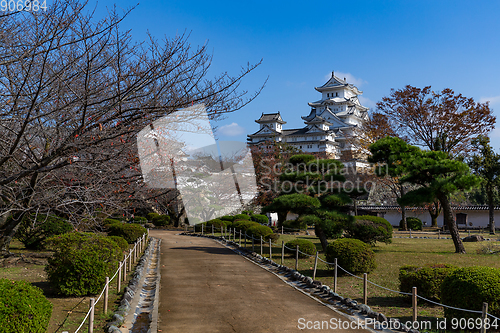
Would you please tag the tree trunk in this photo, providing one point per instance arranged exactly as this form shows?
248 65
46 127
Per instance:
450 222
322 237
403 208
491 208
8 228
434 211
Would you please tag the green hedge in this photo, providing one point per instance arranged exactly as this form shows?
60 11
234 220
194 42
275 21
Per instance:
81 262
218 224
261 230
468 288
413 223
227 218
151 216
369 229
352 255
120 241
161 220
260 218
129 231
305 246
242 217
23 308
427 279
140 219
244 224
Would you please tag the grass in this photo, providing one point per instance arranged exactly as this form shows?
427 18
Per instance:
389 258
68 312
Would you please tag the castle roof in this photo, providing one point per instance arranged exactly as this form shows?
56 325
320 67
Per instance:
336 82
270 118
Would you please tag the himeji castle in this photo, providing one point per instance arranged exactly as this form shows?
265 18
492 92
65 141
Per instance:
331 122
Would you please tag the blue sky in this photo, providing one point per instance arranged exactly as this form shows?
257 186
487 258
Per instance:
377 45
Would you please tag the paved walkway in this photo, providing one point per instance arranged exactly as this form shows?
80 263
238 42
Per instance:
206 287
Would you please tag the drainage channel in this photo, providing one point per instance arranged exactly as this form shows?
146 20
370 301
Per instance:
142 314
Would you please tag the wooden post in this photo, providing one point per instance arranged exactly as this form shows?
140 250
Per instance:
240 238
234 234
365 288
414 303
106 295
282 252
245 239
124 268
119 279
270 249
297 258
91 316
439 234
202 229
130 261
484 315
316 266
282 230
212 229
335 276
261 245
253 245
410 233
185 227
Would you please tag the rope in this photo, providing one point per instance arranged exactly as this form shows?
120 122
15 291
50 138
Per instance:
449 307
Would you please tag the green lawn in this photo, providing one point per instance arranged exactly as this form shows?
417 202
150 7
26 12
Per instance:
389 258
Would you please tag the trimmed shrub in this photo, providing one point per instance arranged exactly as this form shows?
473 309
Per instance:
427 279
248 212
413 223
33 232
151 216
130 232
161 220
244 224
227 218
120 241
23 308
242 217
218 224
81 263
369 229
305 246
108 222
140 219
468 288
260 218
261 230
352 255
295 225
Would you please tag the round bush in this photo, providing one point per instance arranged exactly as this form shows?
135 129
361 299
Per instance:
427 279
151 216
120 241
352 255
217 223
261 230
468 288
242 217
413 223
81 262
140 219
33 231
227 218
161 220
130 232
23 308
243 225
260 218
369 229
305 246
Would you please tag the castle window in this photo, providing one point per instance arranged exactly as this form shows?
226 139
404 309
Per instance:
336 94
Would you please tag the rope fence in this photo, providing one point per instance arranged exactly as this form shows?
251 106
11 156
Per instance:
132 257
233 233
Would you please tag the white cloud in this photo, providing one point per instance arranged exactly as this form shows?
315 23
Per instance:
232 129
349 78
495 100
367 102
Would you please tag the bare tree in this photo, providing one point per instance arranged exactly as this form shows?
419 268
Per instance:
73 95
